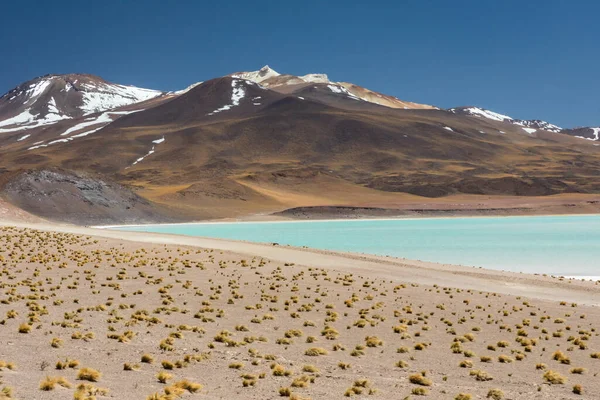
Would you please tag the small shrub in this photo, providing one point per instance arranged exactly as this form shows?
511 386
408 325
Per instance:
419 391
495 394
163 376
88 374
315 351
578 370
419 379
147 358
554 378
463 396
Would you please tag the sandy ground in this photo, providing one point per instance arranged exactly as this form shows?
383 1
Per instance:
251 321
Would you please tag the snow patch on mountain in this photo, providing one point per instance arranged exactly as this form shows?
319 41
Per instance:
23 118
595 132
531 125
315 78
530 130
335 89
27 120
97 98
237 93
187 89
342 90
538 124
36 89
480 112
104 119
150 152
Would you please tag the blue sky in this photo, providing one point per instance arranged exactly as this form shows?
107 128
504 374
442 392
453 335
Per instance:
528 59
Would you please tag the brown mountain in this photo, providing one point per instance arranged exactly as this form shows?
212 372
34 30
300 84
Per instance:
234 146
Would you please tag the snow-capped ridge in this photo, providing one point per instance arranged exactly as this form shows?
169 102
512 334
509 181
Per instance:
51 98
257 76
528 126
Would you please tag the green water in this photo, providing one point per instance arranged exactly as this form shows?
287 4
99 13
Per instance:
563 245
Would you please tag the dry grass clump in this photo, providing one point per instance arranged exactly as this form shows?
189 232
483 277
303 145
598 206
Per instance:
554 378
279 370
51 381
358 387
373 341
147 358
166 364
191 387
505 359
463 396
344 366
419 391
315 351
481 376
578 389
86 391
495 394
24 328
66 364
561 357
88 374
420 379
130 367
301 381
163 376
8 365
6 393
310 369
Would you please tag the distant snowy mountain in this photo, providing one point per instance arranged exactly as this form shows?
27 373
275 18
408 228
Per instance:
529 126
55 109
272 79
53 98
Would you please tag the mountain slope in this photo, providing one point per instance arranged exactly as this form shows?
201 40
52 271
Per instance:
262 141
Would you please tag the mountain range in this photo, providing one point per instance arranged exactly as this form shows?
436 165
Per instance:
78 148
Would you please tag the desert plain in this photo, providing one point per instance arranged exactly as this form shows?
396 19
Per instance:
96 313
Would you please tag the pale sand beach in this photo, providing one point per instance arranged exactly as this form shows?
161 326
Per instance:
255 321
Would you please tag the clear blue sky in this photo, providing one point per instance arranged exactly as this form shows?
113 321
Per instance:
528 59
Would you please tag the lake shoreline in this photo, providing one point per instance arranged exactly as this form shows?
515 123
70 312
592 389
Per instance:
407 270
268 219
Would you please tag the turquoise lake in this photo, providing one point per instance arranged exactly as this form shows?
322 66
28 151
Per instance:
561 245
